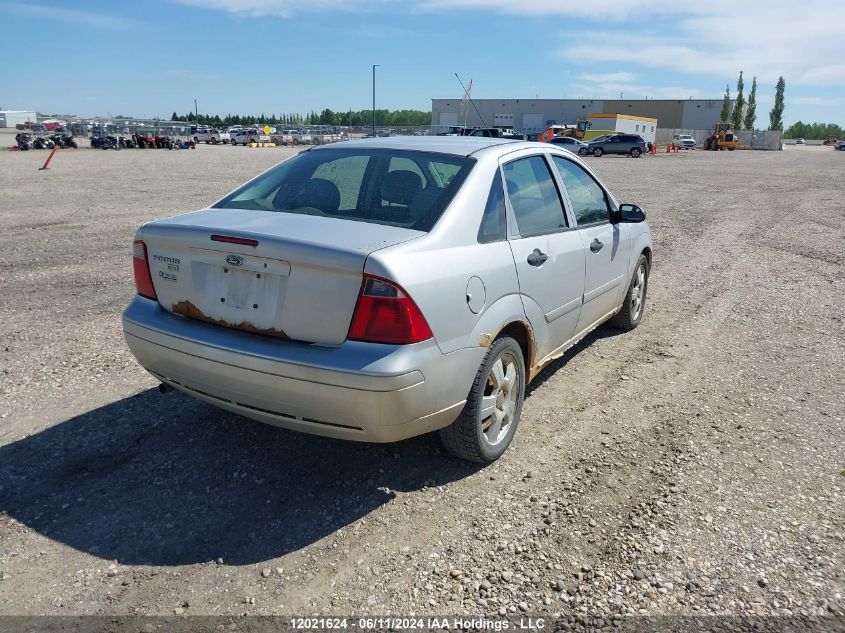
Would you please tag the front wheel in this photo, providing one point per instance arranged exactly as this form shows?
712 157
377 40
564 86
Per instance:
487 424
597 152
636 152
632 310
582 151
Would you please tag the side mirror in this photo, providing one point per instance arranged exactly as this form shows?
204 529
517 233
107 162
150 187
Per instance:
629 213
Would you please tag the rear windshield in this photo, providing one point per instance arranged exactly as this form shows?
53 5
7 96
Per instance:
384 186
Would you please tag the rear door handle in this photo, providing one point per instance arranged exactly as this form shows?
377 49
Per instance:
596 246
537 258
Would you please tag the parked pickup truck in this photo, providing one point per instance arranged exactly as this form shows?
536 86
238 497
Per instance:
245 136
210 135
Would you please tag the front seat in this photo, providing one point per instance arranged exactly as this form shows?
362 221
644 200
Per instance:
317 193
399 189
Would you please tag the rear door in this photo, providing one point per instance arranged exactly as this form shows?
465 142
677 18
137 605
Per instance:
606 245
549 254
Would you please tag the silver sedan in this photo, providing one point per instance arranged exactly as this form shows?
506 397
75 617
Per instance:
385 288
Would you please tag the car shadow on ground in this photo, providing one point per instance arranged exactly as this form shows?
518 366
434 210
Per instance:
167 480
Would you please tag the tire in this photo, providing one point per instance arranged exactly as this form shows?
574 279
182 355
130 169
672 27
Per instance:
501 381
636 152
634 306
582 151
730 149
597 152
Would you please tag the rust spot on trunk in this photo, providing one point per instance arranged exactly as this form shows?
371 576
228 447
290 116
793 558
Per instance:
189 310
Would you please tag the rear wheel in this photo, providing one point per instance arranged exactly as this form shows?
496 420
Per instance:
632 310
488 422
636 152
598 151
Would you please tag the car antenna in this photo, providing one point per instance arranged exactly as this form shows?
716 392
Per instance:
481 118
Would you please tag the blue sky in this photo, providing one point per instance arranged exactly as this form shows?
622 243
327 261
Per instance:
149 58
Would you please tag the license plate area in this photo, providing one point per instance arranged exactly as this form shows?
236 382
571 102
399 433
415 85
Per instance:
237 290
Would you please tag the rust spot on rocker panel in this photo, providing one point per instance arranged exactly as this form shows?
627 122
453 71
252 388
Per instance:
533 369
189 310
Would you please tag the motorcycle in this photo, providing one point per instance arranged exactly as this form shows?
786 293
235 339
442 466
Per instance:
24 142
43 142
64 141
110 142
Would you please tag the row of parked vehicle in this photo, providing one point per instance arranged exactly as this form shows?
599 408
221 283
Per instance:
628 144
25 141
239 135
140 141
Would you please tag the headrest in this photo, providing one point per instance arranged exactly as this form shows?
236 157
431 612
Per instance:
401 187
317 193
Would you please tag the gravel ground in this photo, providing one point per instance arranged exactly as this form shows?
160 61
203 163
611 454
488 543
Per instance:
694 466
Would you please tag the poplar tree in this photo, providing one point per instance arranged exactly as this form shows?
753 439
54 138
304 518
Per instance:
751 109
776 113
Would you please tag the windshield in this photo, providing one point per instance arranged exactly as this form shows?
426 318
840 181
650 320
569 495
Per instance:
385 186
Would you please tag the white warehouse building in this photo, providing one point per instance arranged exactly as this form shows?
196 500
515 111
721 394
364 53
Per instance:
11 118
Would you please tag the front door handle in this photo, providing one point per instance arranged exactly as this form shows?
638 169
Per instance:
537 258
596 245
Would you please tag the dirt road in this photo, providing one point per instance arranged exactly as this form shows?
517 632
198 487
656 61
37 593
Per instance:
693 466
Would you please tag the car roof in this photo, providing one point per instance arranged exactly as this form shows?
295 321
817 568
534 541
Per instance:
456 145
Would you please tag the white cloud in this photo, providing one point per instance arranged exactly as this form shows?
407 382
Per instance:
72 16
622 77
716 38
287 8
817 101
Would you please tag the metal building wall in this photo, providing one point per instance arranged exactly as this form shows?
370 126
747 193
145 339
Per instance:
670 113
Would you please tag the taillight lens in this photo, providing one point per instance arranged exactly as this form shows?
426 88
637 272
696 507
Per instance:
385 314
143 280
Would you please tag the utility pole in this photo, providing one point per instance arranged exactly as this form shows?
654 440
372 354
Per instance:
196 112
374 99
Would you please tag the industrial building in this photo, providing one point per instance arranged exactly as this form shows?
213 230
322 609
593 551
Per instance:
11 118
531 116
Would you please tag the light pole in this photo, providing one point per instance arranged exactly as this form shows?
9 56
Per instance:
374 99
196 112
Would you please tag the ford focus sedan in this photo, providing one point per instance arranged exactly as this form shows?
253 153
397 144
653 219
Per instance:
388 287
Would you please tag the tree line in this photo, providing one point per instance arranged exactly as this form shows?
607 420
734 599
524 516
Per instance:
360 118
743 114
818 131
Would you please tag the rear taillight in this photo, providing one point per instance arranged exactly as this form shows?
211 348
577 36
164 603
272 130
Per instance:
386 314
143 280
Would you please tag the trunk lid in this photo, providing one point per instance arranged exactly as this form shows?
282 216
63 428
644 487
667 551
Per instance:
300 282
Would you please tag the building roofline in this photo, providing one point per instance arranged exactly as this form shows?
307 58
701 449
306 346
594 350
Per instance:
631 117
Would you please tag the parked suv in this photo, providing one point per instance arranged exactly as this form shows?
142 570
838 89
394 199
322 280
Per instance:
618 144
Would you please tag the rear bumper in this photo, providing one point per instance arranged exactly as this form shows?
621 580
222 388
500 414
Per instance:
357 391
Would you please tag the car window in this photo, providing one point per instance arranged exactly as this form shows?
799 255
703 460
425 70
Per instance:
346 173
534 196
493 223
355 184
589 203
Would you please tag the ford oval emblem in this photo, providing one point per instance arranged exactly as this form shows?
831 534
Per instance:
234 260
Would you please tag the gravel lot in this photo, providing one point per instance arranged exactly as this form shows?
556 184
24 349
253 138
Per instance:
693 466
